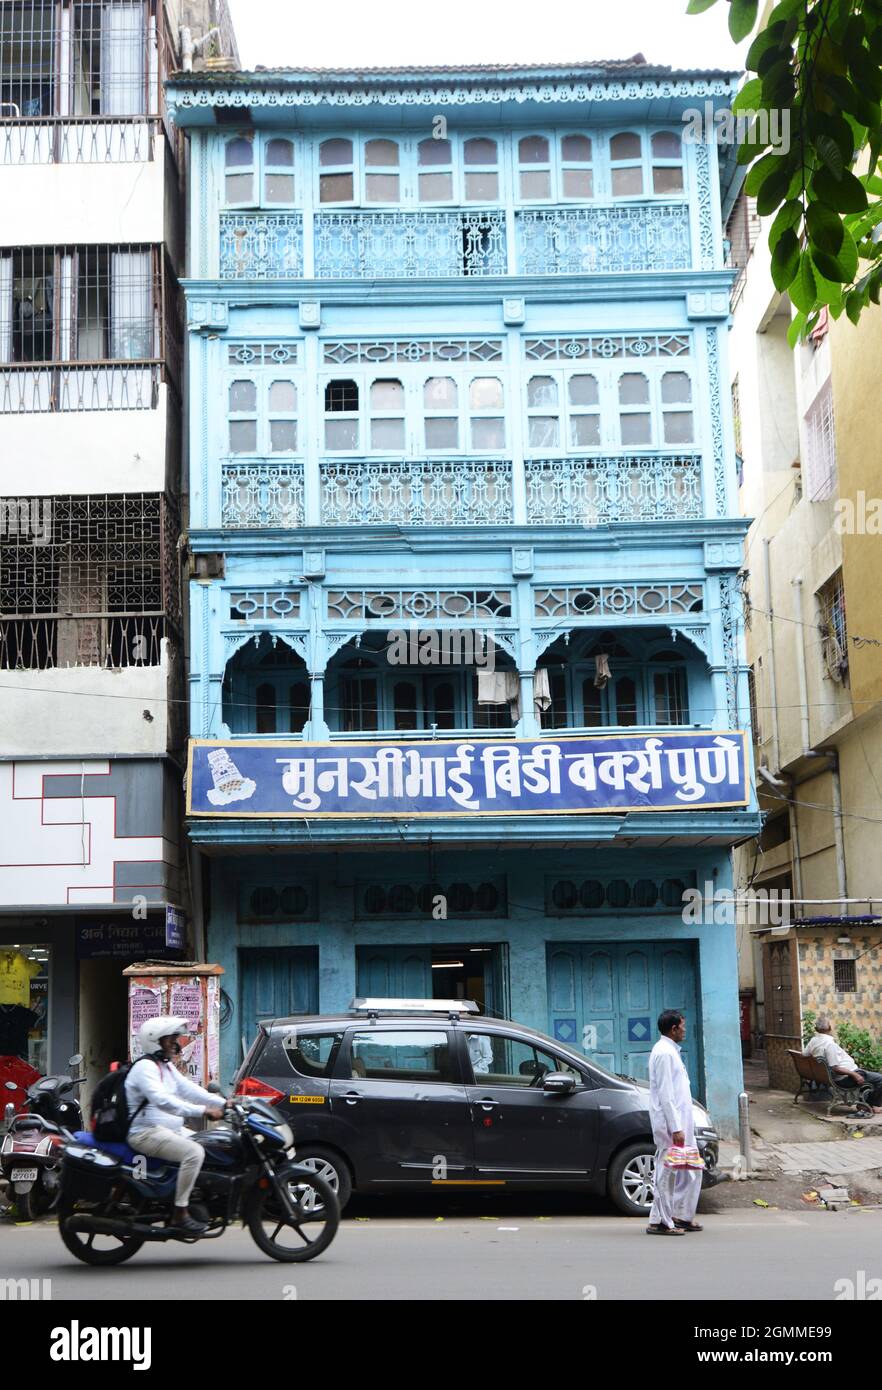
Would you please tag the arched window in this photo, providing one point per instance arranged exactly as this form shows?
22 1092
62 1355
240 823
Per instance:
381 176
534 168
635 418
543 412
667 162
626 164
266 708
239 172
242 407
299 700
435 171
387 415
481 163
282 401
278 171
486 406
441 412
676 404
336 171
583 409
341 416
576 159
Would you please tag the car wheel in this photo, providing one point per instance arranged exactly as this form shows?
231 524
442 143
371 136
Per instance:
630 1179
328 1165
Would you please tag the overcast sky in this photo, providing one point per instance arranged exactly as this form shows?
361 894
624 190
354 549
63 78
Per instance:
362 33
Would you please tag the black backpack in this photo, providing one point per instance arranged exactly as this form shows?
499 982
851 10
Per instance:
111 1120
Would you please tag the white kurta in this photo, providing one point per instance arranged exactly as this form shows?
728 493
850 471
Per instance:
670 1110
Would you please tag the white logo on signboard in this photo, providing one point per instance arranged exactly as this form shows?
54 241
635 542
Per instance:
229 784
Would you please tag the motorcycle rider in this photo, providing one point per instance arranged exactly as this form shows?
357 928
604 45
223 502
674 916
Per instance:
159 1098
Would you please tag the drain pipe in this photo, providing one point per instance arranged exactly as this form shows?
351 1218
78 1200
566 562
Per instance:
830 754
770 624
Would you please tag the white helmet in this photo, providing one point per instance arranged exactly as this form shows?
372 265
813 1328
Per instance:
165 1026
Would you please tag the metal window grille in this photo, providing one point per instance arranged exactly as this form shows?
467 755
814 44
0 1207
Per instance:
99 587
833 628
736 421
844 976
742 231
820 446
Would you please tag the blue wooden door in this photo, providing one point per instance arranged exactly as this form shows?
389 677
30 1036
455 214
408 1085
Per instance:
604 999
394 972
275 983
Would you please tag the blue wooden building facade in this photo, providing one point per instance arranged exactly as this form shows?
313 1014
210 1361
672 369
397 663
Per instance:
456 366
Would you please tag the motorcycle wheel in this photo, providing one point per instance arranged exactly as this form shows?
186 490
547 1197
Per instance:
294 1241
25 1207
113 1250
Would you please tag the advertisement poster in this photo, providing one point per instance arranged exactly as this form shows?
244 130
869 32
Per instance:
144 1003
212 1030
185 1001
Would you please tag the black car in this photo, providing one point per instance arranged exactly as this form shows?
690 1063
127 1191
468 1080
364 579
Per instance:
400 1094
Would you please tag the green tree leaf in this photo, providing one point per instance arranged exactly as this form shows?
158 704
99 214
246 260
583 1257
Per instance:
795 330
785 259
742 17
749 97
831 154
699 6
825 228
845 194
774 188
789 215
803 288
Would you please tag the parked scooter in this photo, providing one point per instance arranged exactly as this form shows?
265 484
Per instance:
31 1149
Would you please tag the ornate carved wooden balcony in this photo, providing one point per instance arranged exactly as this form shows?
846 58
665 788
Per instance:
417 492
631 487
572 241
409 245
261 245
262 495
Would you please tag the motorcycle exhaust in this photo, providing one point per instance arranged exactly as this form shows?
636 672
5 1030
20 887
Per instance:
105 1226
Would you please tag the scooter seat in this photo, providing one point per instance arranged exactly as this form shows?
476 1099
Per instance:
123 1152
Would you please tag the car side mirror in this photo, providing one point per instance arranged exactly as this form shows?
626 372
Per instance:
10 1085
75 1061
559 1083
214 1088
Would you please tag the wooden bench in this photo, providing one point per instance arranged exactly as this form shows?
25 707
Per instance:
813 1071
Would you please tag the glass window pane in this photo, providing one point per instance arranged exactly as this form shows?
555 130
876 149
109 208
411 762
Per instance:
334 152
667 180
582 389
485 393
535 183
279 153
387 434
533 149
627 182
283 396
678 426
626 701
341 434
442 433
403 1056
335 188
381 188
479 152
544 432
676 387
542 390
341 395
381 154
440 393
238 153
576 148
239 188
636 429
584 431
434 152
436 188
666 144
279 188
488 434
387 395
481 188
578 183
633 389
625 146
283 436
243 436
243 395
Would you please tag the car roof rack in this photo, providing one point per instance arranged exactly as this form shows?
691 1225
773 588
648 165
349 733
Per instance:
451 1008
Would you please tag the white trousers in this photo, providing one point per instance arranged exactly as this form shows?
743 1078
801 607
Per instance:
675 1191
175 1146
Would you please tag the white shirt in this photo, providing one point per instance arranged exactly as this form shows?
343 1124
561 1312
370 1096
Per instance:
837 1059
170 1097
481 1052
670 1095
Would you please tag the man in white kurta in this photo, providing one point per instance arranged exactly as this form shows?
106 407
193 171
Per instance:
676 1190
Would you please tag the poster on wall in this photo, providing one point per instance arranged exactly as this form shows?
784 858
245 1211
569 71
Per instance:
145 1003
212 1031
185 1001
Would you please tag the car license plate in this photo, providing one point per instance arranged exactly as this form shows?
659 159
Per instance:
24 1174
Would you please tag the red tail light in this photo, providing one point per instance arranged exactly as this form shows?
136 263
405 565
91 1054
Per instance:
250 1086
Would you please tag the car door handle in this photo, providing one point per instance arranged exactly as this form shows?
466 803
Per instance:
352 1097
486 1103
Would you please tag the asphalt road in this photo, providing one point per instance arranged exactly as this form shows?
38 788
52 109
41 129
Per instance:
745 1254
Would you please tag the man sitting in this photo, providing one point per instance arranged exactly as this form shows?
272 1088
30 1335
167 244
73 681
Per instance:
824 1046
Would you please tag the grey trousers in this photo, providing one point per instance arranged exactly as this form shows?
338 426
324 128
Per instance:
175 1146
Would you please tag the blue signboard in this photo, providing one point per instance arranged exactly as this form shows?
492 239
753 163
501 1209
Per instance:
553 776
175 929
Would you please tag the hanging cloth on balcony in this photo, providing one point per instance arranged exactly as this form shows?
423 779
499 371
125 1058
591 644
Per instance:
541 689
500 688
602 672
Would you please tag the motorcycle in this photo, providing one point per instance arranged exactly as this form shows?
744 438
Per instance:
32 1145
113 1200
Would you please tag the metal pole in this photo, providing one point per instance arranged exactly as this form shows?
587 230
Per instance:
744 1130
